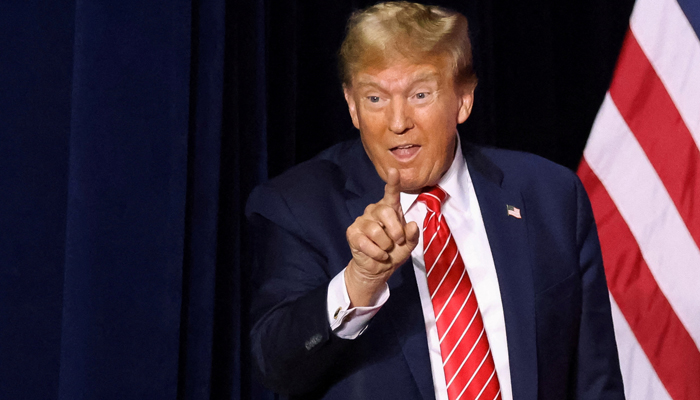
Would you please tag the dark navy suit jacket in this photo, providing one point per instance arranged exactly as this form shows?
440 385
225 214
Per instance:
557 313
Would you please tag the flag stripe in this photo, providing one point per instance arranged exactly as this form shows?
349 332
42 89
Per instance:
672 256
650 113
668 40
640 379
691 8
644 306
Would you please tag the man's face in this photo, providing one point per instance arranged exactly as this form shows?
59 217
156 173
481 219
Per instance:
407 115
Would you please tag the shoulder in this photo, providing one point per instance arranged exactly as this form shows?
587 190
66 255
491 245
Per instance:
526 166
319 174
526 172
324 173
308 191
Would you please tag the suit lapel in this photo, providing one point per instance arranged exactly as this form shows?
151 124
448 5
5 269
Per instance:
507 237
363 185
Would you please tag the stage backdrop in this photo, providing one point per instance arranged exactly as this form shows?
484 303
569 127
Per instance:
131 133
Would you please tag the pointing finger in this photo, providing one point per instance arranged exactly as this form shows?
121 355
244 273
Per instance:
392 189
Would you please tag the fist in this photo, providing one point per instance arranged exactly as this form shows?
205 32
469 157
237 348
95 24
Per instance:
380 241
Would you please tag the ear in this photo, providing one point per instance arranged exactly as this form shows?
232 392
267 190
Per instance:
466 101
352 106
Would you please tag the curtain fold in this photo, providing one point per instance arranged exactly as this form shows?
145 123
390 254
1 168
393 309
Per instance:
35 91
245 159
125 215
200 264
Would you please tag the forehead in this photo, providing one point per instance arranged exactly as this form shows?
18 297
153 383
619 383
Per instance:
403 73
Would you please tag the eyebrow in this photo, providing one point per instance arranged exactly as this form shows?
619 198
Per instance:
366 83
418 78
426 76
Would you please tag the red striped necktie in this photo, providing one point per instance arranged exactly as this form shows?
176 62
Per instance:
470 373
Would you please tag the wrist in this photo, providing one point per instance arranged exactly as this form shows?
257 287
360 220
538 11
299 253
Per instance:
362 290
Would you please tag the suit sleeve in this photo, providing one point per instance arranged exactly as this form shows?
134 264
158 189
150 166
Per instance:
293 347
598 370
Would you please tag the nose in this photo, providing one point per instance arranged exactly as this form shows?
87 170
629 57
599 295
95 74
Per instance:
399 116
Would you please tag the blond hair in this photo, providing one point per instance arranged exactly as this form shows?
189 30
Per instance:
394 31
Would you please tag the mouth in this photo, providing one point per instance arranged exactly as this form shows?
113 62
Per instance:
406 152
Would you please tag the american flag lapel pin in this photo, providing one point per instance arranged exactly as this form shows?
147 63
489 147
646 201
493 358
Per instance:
513 211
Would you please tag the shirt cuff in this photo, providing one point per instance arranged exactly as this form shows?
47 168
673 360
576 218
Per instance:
346 322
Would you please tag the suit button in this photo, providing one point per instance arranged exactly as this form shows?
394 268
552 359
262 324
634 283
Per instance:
313 341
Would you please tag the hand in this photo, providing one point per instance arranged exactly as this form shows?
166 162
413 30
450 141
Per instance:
380 241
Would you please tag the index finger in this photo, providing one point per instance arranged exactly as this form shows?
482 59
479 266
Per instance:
392 189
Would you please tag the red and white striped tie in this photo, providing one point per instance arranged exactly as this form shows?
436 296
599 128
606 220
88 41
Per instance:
470 373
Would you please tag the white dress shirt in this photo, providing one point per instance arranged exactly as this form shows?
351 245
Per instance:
463 215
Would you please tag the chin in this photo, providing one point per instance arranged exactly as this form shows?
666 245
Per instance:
412 184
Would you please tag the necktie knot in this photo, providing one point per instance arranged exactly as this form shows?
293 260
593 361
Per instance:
433 198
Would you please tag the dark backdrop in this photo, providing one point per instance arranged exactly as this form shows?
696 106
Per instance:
131 133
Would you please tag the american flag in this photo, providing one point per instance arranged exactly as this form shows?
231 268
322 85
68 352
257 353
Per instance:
513 211
641 169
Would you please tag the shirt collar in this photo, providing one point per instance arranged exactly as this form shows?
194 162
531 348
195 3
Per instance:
456 183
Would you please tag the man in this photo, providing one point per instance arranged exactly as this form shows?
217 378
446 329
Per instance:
472 273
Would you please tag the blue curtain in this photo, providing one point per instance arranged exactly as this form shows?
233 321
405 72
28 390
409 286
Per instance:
131 133
119 267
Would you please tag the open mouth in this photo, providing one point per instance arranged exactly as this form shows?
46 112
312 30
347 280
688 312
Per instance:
405 152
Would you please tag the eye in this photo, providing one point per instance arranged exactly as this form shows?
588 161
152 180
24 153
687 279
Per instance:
422 97
373 99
